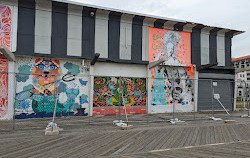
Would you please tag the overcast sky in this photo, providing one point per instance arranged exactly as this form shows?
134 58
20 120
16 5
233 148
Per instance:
232 14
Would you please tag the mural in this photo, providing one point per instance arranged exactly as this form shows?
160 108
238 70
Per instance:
3 86
107 96
172 81
5 40
40 80
5 26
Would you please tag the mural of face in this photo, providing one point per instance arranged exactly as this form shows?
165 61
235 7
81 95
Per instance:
45 75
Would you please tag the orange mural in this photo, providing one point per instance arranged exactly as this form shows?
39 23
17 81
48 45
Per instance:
173 46
5 40
171 82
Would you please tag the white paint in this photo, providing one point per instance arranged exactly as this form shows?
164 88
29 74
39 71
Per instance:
169 108
196 84
74 37
221 49
14 29
204 48
124 70
43 21
91 89
126 36
147 22
101 33
169 25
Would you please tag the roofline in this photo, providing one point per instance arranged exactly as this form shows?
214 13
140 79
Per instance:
241 58
236 32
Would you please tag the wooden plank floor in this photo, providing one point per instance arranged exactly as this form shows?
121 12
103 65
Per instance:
109 140
232 150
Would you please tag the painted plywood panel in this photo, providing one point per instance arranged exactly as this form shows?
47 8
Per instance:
171 83
39 80
43 27
126 36
101 33
173 46
109 90
221 50
204 49
148 22
74 36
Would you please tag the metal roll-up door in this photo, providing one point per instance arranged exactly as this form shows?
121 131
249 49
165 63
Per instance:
205 91
204 95
225 89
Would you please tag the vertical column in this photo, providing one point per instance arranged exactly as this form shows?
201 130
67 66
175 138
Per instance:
43 27
147 22
159 23
126 36
169 25
213 46
114 35
205 45
101 33
59 29
137 39
228 45
74 36
88 32
196 45
221 48
179 26
26 27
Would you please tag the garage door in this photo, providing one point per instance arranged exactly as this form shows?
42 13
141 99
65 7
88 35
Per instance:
222 87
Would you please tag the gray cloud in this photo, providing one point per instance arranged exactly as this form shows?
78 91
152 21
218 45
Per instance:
221 13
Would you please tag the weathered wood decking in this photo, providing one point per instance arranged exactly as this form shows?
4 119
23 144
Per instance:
153 140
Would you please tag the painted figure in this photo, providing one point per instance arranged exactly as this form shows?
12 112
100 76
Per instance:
46 75
171 40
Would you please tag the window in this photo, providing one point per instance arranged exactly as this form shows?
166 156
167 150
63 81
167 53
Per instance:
239 93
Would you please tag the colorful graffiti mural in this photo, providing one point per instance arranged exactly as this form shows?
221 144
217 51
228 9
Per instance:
171 82
5 26
5 40
109 91
3 87
39 84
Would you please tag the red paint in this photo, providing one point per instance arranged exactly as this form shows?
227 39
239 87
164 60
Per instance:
5 40
115 111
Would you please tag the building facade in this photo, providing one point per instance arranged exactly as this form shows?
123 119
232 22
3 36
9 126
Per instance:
55 43
242 76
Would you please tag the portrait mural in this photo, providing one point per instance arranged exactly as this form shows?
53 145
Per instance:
42 83
172 81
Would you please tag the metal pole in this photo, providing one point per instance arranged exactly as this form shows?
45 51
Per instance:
14 110
212 98
119 82
194 87
89 95
147 103
173 100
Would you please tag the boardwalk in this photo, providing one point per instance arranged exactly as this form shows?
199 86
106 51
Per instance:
153 140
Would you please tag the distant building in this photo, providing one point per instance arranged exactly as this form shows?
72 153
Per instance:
242 76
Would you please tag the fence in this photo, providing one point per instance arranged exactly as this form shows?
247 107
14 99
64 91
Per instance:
147 100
